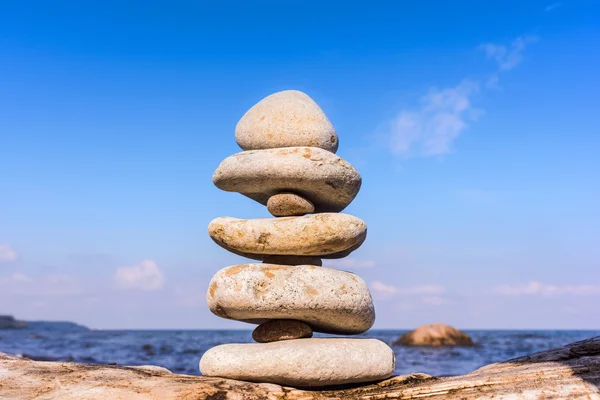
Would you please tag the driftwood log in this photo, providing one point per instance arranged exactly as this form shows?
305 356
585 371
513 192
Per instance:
571 372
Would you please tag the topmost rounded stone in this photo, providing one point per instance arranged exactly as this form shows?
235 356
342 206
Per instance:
286 119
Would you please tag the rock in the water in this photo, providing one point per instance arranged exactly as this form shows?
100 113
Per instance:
323 178
328 300
286 119
435 335
310 235
293 260
288 205
302 362
281 329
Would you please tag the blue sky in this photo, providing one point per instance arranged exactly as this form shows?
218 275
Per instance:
474 125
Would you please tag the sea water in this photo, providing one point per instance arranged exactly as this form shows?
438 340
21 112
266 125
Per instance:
180 350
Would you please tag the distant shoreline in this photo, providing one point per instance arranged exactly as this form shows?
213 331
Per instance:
9 322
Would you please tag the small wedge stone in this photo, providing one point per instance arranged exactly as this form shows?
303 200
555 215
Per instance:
281 329
288 205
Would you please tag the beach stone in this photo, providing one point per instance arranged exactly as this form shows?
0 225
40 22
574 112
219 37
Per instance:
329 300
323 178
293 260
310 235
281 329
302 362
289 204
286 119
435 335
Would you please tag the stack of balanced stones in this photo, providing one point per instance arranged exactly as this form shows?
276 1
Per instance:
289 164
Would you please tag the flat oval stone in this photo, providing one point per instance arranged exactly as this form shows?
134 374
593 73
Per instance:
329 300
323 178
293 260
286 119
288 205
302 362
310 235
281 329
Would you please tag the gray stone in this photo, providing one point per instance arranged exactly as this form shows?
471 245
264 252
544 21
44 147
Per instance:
281 329
319 176
302 362
285 119
328 300
293 260
288 205
310 235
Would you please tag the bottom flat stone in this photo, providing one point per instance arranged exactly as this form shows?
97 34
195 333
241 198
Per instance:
302 362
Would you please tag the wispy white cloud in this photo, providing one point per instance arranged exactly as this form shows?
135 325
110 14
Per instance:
411 296
423 290
380 287
508 57
419 290
7 254
552 6
445 113
144 276
541 289
350 263
442 116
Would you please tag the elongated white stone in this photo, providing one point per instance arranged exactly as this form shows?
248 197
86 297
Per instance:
323 178
285 119
309 235
328 300
302 362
